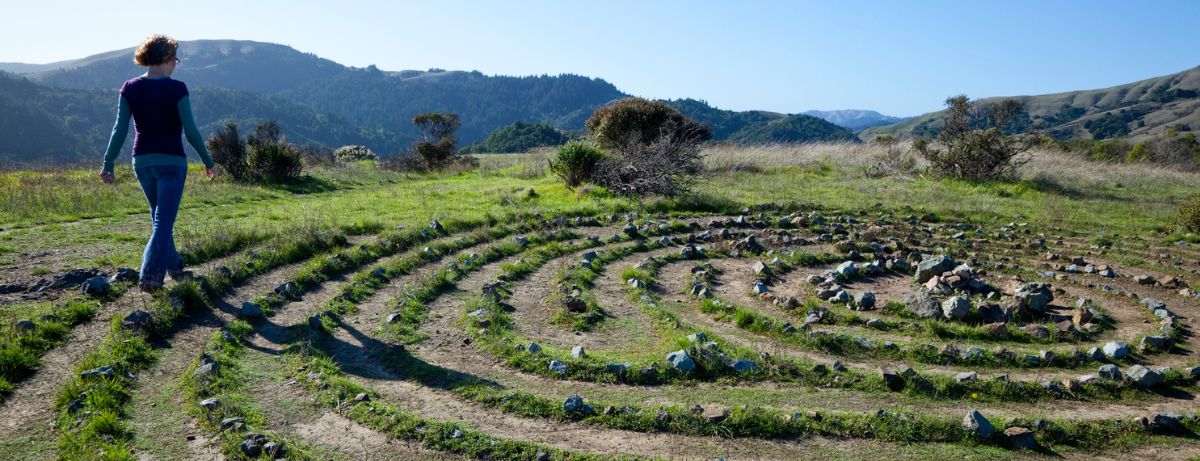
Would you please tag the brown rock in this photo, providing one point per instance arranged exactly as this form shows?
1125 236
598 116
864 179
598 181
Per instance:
1082 316
1020 438
996 330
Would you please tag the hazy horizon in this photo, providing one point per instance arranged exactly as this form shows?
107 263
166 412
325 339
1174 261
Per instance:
791 57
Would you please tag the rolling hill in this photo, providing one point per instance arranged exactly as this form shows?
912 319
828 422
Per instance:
855 119
322 102
1135 110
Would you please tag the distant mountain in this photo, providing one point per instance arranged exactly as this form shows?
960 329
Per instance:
853 119
1135 110
761 127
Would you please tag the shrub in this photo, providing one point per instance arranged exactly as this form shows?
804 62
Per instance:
629 122
351 154
1139 153
1188 215
575 162
894 160
667 167
981 153
263 156
409 163
229 152
1109 151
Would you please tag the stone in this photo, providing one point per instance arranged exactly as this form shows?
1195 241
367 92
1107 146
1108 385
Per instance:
250 448
891 379
558 367
838 366
98 372
616 368
533 348
1168 423
1116 350
1143 377
138 320
1020 438
574 404
124 274
760 288
996 330
1153 304
206 368
864 300
251 310
994 313
923 305
744 366
697 337
847 269
877 324
233 424
1109 371
577 352
362 397
841 297
210 403
956 308
1144 280
931 266
1037 331
1082 316
316 323
977 425
26 325
394 317
1095 353
1156 343
761 269
680 360
96 286
1035 296
966 376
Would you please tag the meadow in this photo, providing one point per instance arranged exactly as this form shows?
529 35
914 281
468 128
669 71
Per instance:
493 313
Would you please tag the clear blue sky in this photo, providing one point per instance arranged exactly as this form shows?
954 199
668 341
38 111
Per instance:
898 57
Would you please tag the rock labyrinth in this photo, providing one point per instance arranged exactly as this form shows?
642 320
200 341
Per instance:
548 339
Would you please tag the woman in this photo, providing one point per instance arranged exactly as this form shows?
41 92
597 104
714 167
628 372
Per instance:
161 111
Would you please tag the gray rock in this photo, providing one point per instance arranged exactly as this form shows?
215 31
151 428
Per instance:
1168 422
933 265
760 288
138 320
574 404
520 240
697 337
841 297
96 286
26 325
250 448
966 376
956 308
1109 371
558 367
617 368
977 425
251 310
847 269
1116 350
864 300
578 352
1095 353
876 324
1036 296
124 274
1156 343
233 424
744 366
207 368
923 305
1020 438
680 360
1153 304
1143 377
394 317
533 348
98 372
210 403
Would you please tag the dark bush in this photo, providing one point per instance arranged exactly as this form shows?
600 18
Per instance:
630 122
264 156
575 162
408 163
976 153
437 146
229 152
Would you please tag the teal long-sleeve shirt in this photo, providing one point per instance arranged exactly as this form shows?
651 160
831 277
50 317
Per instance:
121 130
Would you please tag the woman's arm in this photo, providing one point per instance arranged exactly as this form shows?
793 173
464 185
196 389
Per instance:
193 133
117 139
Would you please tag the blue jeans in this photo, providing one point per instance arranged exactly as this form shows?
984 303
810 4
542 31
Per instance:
163 186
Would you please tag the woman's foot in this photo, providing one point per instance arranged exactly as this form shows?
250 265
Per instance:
150 287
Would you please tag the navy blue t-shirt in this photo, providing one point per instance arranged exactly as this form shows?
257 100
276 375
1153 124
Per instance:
154 104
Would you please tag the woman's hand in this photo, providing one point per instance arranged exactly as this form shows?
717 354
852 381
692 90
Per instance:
211 173
107 177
